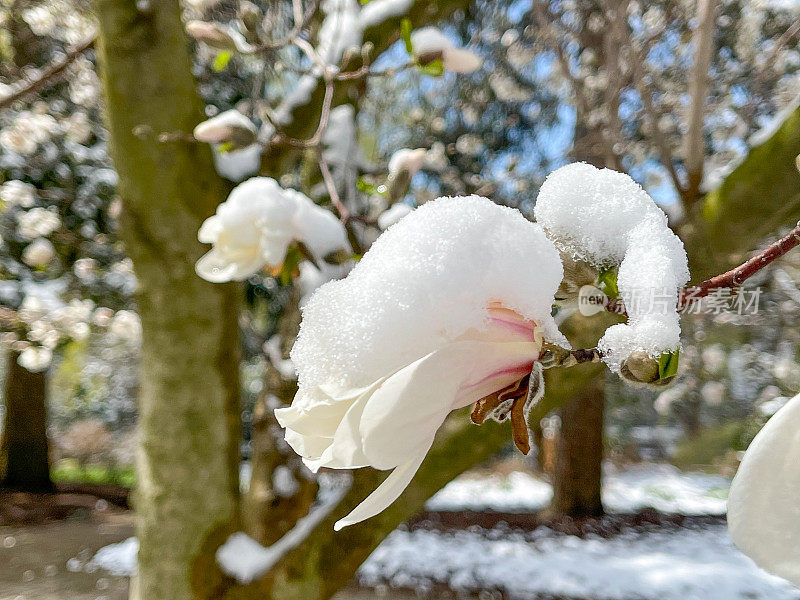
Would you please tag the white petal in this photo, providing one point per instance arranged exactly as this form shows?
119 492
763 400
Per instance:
404 414
209 230
461 61
764 499
386 493
215 268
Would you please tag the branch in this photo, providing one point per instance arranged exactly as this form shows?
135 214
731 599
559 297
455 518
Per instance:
736 276
703 39
47 75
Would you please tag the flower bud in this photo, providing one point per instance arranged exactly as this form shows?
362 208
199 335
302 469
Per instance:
230 127
640 367
218 36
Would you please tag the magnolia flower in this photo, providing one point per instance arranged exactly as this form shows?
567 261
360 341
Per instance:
430 44
254 227
38 253
763 511
229 127
449 307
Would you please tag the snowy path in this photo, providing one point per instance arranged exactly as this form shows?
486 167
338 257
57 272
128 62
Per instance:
680 565
661 487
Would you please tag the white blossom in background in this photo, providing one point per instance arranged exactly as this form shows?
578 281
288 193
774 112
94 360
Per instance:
38 253
228 127
763 510
340 146
234 138
606 219
17 193
339 31
238 165
416 330
37 222
29 129
254 227
126 327
430 44
408 160
35 358
393 215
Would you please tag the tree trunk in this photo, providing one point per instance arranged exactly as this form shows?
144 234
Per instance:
24 450
579 454
187 464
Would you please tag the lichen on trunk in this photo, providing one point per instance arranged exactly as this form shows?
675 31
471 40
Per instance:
187 464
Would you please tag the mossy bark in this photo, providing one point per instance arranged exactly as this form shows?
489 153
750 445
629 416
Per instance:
187 465
24 448
758 198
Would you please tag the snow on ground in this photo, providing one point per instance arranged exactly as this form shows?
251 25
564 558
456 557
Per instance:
683 564
662 487
680 565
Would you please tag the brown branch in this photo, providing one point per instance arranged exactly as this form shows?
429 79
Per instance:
49 73
344 214
736 276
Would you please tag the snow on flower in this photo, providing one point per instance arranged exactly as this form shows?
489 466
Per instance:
38 253
17 193
762 504
430 44
37 222
449 307
606 219
254 227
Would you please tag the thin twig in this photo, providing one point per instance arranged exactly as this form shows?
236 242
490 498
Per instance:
49 73
735 277
344 214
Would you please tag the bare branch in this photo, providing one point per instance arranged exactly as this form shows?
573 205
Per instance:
703 41
48 74
736 276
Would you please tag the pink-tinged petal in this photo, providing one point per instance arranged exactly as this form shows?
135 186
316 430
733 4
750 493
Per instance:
404 414
763 506
386 493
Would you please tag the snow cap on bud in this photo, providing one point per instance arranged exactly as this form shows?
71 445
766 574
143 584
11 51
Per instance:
218 36
230 127
430 44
